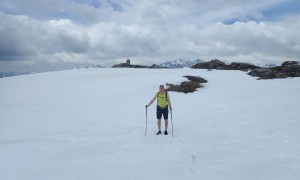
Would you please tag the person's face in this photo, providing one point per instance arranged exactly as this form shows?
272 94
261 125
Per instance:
161 88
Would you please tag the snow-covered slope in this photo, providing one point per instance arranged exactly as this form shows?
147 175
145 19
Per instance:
90 124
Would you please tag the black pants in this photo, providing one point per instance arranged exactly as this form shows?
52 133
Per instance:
162 111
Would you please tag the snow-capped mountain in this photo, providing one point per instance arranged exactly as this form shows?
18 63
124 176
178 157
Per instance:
94 66
90 66
180 63
269 65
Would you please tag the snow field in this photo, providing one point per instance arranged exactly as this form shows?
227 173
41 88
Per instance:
90 124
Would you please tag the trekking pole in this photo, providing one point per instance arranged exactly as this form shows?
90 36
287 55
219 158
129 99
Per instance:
146 122
172 124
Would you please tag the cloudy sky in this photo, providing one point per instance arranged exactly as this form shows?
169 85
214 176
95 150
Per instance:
47 34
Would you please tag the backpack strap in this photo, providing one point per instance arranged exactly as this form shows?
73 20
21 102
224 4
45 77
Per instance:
166 95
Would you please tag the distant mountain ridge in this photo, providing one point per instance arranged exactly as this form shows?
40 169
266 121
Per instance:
269 65
180 63
90 66
9 74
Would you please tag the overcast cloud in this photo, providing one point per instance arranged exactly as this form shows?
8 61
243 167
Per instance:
43 34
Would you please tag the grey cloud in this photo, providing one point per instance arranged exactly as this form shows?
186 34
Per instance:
82 11
15 41
22 37
141 42
145 31
136 11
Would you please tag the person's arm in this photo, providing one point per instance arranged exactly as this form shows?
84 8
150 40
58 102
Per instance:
151 101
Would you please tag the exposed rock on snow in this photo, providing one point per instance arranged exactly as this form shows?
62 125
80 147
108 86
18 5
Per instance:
187 86
217 64
213 64
287 69
196 79
241 66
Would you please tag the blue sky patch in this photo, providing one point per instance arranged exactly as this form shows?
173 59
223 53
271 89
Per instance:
278 11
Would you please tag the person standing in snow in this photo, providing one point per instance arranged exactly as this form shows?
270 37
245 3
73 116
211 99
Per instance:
162 108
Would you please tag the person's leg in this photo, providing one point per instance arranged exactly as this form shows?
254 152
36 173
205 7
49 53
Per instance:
158 115
166 113
166 124
159 124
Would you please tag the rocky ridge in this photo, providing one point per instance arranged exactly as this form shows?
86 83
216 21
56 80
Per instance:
287 69
220 65
128 65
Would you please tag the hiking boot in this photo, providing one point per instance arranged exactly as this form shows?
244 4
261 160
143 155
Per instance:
166 132
158 133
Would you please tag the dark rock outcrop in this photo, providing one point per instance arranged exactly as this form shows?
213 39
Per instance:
287 69
289 64
187 86
217 64
241 66
196 79
213 64
264 73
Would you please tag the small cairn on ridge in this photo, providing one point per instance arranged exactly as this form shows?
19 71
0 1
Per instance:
128 65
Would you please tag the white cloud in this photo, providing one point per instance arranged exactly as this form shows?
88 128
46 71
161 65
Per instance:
145 31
